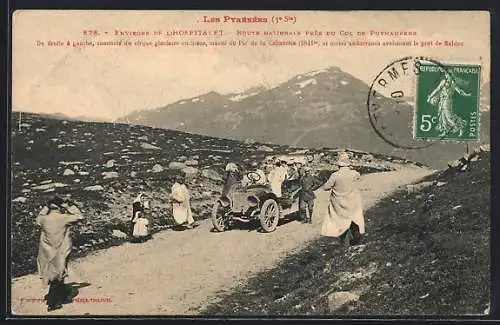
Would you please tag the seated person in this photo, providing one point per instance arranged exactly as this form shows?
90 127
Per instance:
256 177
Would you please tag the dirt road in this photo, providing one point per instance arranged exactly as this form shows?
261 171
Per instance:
177 273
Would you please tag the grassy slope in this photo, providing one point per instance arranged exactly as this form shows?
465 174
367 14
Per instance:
435 260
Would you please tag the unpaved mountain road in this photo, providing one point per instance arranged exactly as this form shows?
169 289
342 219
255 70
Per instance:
177 273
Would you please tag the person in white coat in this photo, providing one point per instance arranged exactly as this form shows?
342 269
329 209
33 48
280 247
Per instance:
276 178
56 220
345 218
181 205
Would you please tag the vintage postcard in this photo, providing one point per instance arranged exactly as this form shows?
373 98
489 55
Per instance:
250 163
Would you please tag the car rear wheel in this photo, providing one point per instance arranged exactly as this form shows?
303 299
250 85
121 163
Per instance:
219 218
269 215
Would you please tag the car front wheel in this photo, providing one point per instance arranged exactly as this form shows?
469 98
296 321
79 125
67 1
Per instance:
269 215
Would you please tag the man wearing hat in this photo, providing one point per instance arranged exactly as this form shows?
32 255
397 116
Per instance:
56 219
306 194
345 217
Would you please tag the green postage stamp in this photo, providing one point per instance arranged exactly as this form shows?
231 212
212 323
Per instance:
447 102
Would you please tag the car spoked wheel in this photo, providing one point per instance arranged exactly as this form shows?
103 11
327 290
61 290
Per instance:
269 215
220 218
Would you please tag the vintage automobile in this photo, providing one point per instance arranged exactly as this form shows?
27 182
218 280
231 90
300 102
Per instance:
255 201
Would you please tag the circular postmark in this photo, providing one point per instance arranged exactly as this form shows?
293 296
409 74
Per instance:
391 102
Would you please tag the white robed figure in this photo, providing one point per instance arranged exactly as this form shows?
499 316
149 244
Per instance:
345 210
276 178
181 205
442 98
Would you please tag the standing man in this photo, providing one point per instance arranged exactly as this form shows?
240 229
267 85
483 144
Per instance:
56 220
306 195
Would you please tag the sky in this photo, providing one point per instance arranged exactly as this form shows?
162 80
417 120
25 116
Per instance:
110 82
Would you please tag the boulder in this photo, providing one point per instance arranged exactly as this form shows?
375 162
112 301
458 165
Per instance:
176 165
485 147
119 234
474 158
190 171
182 158
414 188
110 163
68 172
265 148
157 168
191 162
94 188
76 180
148 146
20 199
108 175
454 163
211 174
143 138
133 174
338 299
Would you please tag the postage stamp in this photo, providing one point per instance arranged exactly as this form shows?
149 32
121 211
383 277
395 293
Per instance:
447 102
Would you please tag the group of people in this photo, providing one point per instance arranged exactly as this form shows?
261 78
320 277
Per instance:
141 221
344 218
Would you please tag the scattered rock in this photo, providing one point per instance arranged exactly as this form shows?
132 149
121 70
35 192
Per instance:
339 299
176 165
190 171
40 130
474 158
110 163
68 172
265 148
454 163
31 142
76 180
485 147
182 158
94 188
211 174
133 174
439 184
464 168
83 173
157 168
456 207
108 175
119 234
49 186
20 199
148 146
143 138
414 188
191 162
26 190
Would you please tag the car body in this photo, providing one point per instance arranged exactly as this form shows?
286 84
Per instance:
247 203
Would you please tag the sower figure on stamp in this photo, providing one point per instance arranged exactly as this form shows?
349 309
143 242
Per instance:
442 98
345 217
56 220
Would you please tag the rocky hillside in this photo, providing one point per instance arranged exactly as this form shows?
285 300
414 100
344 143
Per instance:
325 108
104 166
426 252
